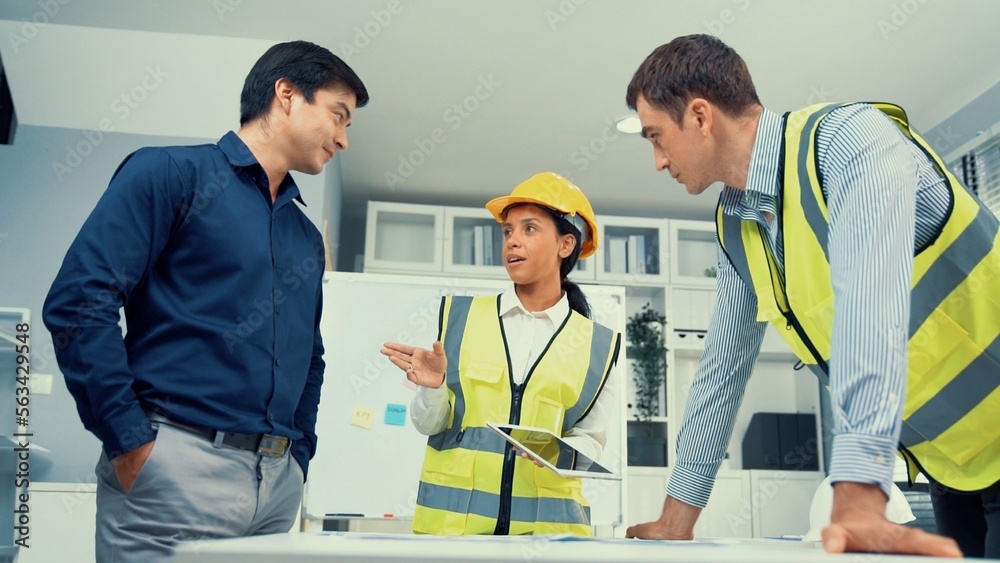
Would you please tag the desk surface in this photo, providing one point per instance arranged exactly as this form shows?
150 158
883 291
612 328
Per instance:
360 547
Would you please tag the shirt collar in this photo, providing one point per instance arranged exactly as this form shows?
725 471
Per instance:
510 304
764 173
239 156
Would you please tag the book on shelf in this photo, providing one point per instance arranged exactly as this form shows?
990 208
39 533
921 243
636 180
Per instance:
464 246
498 244
487 244
478 246
636 254
617 255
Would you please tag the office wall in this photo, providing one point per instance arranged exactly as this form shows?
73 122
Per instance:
966 123
46 193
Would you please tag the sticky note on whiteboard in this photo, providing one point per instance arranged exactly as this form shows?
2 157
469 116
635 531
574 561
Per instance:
395 414
363 417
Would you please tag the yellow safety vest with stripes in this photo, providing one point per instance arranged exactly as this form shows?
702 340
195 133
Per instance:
951 416
472 482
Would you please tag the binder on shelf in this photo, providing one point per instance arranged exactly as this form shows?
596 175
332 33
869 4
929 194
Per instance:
809 457
760 443
498 244
478 245
487 244
464 246
781 441
617 250
640 253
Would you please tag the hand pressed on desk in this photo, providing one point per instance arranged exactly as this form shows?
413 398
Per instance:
675 523
858 523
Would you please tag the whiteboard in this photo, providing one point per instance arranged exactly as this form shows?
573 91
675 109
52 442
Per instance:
375 472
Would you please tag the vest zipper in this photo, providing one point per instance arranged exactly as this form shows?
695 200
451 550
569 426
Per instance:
792 322
507 477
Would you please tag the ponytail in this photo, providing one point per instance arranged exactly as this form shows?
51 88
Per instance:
577 300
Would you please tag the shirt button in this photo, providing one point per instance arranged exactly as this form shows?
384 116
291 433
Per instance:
880 460
277 362
270 416
277 310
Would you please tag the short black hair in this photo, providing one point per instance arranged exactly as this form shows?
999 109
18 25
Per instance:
693 66
304 64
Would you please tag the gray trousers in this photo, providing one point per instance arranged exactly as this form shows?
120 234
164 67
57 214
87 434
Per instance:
189 490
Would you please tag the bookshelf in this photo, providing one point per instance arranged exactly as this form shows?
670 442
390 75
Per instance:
634 251
404 237
695 255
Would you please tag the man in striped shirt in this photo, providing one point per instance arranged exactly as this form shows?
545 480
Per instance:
885 199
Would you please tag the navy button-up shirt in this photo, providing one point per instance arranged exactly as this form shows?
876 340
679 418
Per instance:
222 292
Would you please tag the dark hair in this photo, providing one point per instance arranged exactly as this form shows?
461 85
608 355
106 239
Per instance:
577 300
693 66
306 65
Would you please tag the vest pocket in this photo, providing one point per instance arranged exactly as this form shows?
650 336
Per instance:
545 413
487 372
928 348
446 487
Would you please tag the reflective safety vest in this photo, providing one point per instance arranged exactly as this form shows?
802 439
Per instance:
472 482
951 416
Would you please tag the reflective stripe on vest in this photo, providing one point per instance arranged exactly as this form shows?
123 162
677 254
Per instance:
953 372
459 491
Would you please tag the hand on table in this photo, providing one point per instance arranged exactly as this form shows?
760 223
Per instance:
858 523
675 523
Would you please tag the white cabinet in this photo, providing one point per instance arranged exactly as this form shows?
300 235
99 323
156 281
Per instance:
728 513
473 242
781 500
694 255
404 237
62 523
743 504
633 250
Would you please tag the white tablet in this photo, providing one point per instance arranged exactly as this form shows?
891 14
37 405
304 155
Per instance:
552 451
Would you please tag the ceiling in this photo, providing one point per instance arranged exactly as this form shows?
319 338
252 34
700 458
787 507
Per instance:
478 95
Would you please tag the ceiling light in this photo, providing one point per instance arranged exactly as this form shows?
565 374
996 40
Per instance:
629 124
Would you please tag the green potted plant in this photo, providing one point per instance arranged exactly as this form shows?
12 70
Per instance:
647 439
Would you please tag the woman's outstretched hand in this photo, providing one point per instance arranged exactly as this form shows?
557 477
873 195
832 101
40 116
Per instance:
423 367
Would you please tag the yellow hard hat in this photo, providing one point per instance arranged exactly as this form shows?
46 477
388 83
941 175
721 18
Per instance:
551 190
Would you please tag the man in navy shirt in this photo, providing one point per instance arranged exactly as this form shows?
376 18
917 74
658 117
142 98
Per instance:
206 409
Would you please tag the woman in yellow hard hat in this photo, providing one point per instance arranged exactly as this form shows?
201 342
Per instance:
529 356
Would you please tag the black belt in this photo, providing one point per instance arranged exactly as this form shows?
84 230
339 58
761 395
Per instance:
262 444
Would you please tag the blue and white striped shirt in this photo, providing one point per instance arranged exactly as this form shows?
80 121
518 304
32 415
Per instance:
885 200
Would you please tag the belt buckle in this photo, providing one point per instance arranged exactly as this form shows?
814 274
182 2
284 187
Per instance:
272 446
